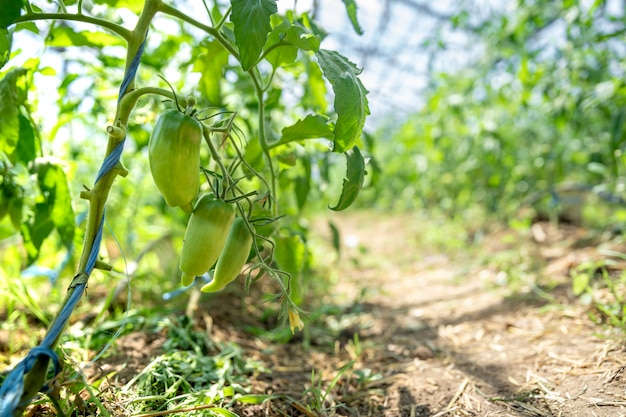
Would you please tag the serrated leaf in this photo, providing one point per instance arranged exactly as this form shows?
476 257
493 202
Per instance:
285 40
352 184
350 98
64 36
11 10
252 25
313 126
279 53
211 65
351 9
6 39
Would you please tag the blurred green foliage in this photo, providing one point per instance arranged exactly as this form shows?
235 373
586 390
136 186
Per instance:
541 105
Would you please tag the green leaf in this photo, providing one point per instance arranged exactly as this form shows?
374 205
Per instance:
133 5
354 182
252 24
281 53
54 187
10 100
211 65
350 98
37 230
16 207
6 39
315 88
63 36
223 412
580 283
351 9
11 10
255 398
289 39
26 150
313 126
290 254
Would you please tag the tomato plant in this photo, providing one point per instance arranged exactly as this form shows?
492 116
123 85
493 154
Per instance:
229 133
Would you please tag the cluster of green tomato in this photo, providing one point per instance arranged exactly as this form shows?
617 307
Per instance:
214 233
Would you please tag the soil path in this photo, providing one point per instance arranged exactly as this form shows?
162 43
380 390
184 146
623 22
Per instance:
409 331
443 340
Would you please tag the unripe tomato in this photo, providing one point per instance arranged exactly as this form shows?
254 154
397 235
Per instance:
233 256
205 236
174 154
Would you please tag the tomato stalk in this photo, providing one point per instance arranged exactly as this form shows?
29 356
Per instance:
97 196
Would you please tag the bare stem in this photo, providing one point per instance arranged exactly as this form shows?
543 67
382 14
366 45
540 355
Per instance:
113 27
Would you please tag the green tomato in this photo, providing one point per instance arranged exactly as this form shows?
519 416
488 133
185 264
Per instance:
174 155
233 256
205 236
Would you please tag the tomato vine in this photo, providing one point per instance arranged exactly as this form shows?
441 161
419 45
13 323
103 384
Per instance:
252 34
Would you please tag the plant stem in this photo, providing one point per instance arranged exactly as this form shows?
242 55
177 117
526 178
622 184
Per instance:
226 180
128 102
97 197
167 9
113 27
262 135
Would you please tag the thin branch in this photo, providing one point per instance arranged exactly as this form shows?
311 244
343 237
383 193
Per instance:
113 27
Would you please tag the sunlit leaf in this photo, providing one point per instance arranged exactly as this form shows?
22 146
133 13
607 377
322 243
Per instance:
350 98
223 412
64 36
315 88
313 126
6 39
280 53
285 40
351 9
27 147
353 182
133 5
10 101
254 398
252 24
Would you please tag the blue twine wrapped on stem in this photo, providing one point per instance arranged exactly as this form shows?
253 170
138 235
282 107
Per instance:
29 376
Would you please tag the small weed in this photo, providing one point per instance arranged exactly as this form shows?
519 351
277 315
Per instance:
596 286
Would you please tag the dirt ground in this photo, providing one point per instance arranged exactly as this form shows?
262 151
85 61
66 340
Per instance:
440 332
447 343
